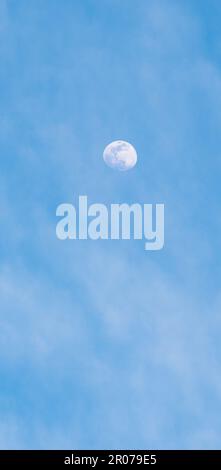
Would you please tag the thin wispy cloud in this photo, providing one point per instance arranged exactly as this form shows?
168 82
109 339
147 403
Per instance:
101 344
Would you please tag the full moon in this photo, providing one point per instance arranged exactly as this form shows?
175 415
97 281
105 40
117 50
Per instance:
120 155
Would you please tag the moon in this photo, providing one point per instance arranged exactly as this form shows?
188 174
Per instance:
120 155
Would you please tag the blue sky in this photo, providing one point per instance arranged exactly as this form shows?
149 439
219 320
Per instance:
104 345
